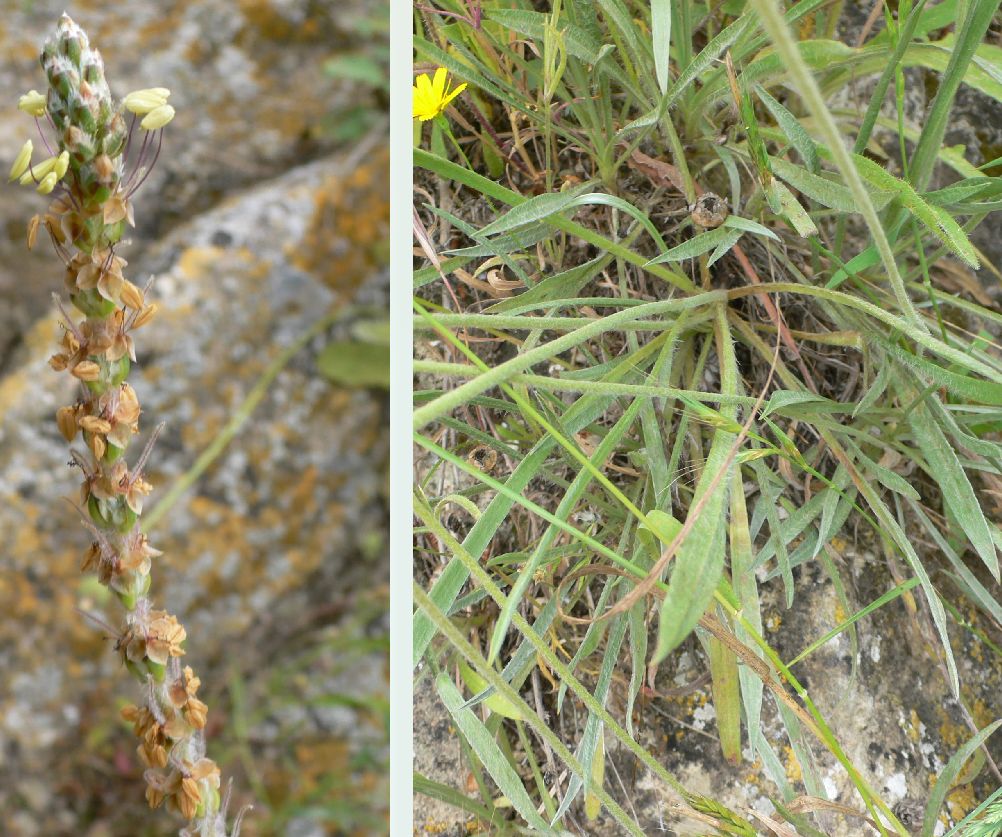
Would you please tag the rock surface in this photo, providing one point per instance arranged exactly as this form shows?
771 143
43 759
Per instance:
256 226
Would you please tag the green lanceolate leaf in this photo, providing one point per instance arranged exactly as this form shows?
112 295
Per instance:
489 753
699 563
696 246
659 531
933 218
958 495
821 188
660 38
356 364
789 206
726 698
486 695
792 127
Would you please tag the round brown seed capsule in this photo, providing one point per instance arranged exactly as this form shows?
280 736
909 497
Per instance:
483 457
709 211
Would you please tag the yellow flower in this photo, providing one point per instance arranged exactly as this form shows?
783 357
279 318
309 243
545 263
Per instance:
431 97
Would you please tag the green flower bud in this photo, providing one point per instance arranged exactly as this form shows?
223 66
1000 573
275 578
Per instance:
70 47
94 510
137 670
112 374
92 303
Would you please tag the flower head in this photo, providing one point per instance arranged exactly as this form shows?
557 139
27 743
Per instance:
432 96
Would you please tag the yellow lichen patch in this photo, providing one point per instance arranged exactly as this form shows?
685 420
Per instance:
267 22
839 613
960 802
316 760
161 31
793 770
15 384
195 262
953 734
18 597
346 239
983 714
218 531
914 727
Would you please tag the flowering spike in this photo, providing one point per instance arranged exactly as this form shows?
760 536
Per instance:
85 225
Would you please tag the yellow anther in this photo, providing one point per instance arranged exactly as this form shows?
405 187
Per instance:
62 163
37 173
32 103
157 118
143 101
22 161
48 183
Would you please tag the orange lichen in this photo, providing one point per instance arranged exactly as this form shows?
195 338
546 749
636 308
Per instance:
347 236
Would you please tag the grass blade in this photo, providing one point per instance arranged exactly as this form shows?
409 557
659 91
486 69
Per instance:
958 495
660 39
488 752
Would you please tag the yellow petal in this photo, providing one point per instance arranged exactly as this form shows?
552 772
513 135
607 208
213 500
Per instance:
453 95
438 85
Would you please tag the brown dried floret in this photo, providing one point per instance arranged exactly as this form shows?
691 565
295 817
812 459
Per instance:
66 418
87 370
